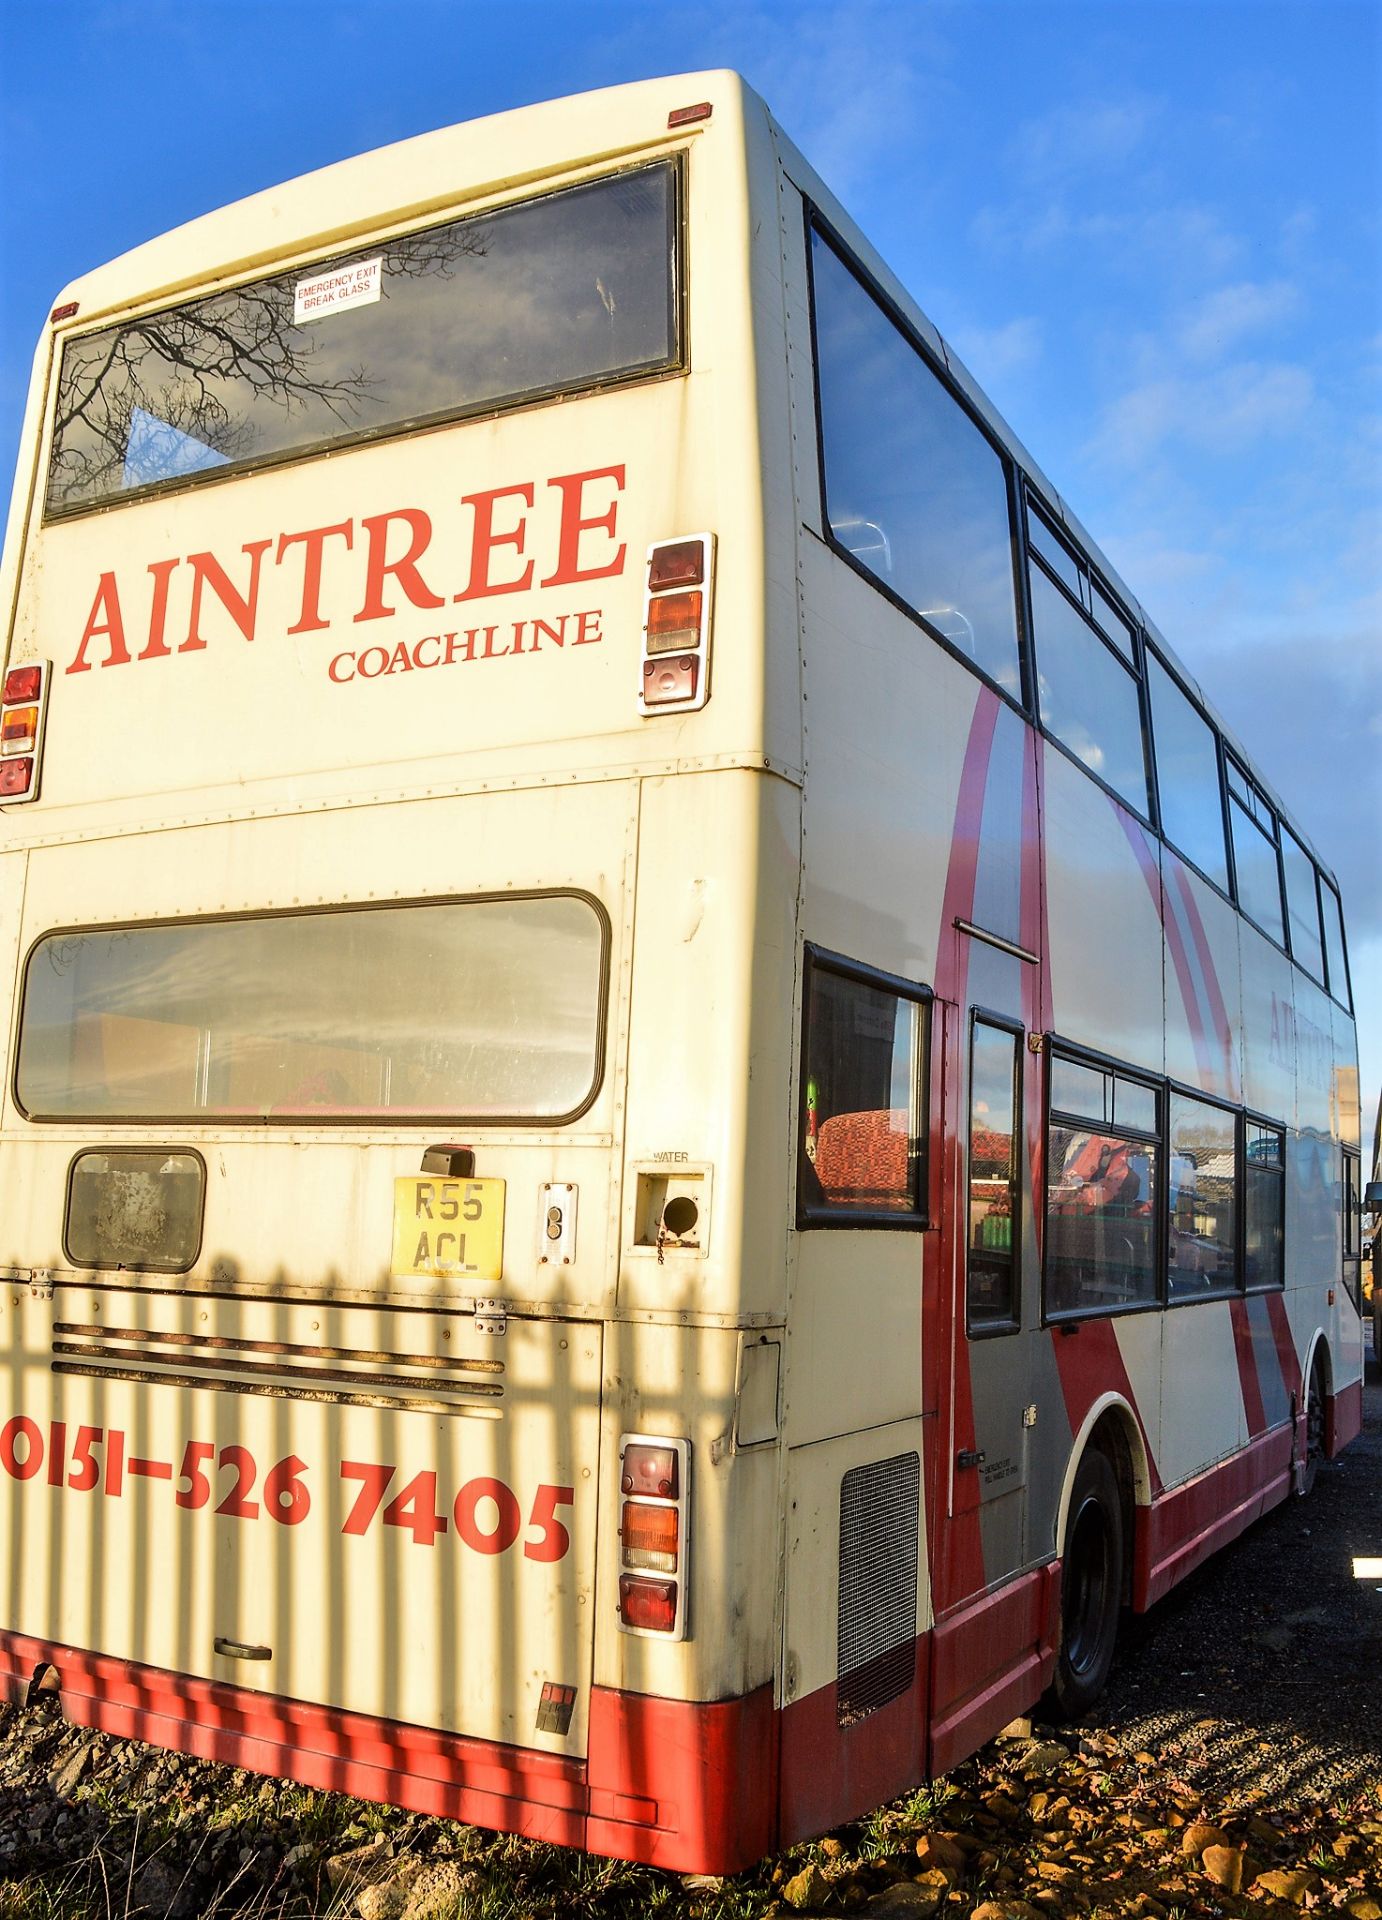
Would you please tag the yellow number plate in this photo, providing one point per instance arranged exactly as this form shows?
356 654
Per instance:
448 1229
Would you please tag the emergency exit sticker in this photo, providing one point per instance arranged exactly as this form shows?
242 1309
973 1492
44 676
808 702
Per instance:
357 286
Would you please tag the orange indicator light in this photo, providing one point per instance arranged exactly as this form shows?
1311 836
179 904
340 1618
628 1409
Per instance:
650 1535
18 729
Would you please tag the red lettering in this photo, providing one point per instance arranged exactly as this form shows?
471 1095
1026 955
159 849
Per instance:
156 646
508 1519
462 643
19 1427
485 540
399 660
341 678
404 569
242 607
588 627
574 523
378 654
427 640
557 633
107 604
488 652
309 618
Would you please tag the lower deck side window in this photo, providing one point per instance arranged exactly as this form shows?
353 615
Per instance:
1102 1182
861 1159
1264 1206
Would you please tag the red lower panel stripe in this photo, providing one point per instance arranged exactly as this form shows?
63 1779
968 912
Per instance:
681 1784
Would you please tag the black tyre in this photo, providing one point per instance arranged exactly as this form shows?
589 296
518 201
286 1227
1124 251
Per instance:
1314 1428
1091 1586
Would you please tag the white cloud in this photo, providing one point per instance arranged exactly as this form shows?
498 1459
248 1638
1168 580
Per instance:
994 354
1218 322
1085 137
1224 411
842 103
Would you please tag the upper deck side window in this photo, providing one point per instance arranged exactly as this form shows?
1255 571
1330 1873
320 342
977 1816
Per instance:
1187 775
914 490
1086 665
578 288
1256 856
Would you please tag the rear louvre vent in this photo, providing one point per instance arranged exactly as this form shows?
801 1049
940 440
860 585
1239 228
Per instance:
279 1370
879 1512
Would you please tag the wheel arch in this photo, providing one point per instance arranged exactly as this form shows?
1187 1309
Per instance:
1112 1426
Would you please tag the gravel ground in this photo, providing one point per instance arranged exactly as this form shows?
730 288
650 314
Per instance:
1262 1673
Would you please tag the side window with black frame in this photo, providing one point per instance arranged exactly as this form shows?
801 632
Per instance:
1264 1210
862 1159
1102 1183
1087 684
1187 775
1256 863
1353 1226
993 1295
1302 905
1201 1200
1334 944
914 489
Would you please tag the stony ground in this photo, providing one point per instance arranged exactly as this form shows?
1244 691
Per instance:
1235 1769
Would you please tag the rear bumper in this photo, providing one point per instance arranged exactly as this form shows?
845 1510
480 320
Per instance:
679 1784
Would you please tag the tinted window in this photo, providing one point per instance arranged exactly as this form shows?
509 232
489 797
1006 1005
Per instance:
1101 1196
1110 621
1088 698
913 489
1202 1199
1302 904
1056 554
566 290
994 1106
1187 774
488 1009
1264 1211
861 1146
1334 944
1255 866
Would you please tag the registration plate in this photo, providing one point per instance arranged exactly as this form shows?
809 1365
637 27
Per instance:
448 1229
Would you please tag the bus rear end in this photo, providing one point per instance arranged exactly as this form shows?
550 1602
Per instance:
391 1349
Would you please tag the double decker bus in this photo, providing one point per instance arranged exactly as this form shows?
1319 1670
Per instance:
673 1109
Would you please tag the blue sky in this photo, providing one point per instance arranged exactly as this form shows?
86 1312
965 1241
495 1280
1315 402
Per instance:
1151 229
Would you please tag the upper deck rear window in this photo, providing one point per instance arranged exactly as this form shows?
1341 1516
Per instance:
571 290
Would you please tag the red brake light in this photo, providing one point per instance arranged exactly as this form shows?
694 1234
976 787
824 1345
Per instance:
679 564
16 776
687 116
648 1604
22 683
651 1470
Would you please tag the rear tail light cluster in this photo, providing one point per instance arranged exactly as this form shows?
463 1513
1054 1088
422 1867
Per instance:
675 671
23 709
655 1491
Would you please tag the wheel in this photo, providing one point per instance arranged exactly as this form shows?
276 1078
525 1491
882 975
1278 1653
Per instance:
1314 1429
1091 1586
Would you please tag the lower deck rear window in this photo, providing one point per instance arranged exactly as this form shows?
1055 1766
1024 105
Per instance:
483 1009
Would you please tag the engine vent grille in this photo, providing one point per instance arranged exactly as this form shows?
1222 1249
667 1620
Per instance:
879 1531
280 1370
